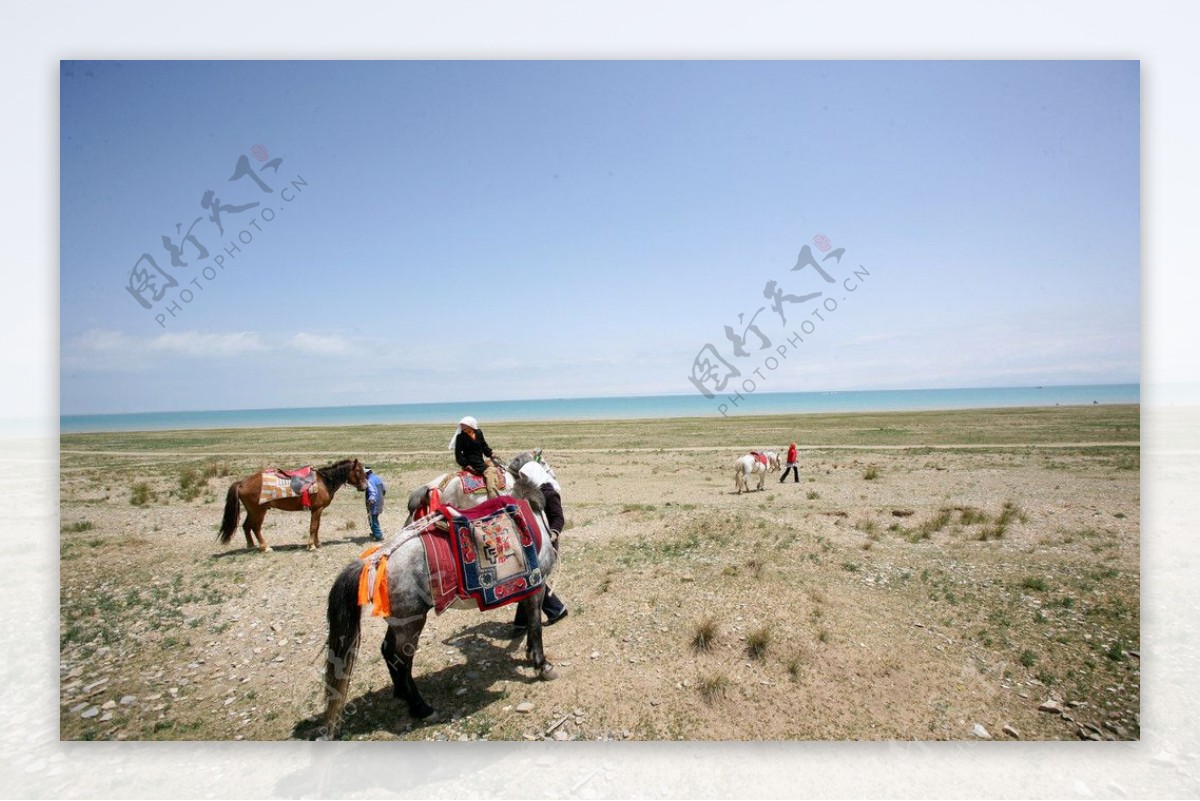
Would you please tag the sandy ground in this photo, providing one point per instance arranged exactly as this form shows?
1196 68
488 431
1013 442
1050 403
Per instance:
941 577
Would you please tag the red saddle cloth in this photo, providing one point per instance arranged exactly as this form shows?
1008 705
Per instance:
760 457
299 472
454 560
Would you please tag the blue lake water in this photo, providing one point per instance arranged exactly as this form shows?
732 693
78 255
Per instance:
650 406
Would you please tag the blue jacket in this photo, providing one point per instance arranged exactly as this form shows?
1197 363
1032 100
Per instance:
376 489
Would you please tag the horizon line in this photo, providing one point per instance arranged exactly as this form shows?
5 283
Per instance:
64 416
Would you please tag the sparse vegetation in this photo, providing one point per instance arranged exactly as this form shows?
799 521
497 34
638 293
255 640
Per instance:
141 494
1034 583
145 594
757 641
712 686
704 635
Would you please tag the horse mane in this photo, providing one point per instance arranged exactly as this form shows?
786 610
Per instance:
519 461
335 474
526 490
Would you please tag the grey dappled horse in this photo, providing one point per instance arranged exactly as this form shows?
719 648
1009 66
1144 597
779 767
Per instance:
410 595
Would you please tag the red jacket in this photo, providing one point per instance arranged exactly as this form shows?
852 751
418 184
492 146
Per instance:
791 457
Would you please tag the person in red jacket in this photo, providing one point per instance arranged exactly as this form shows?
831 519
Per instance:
791 465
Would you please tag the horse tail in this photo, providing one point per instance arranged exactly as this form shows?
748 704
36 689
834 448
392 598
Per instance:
345 623
232 508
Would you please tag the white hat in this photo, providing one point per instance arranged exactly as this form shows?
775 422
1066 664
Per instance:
467 421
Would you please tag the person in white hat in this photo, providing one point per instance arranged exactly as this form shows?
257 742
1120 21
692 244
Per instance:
470 448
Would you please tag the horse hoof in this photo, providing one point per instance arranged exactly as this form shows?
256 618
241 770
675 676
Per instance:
312 547
547 672
268 549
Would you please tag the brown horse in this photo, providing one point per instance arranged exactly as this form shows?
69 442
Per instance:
249 491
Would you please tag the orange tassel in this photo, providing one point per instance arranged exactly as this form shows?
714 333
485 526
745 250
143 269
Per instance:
364 588
383 604
369 551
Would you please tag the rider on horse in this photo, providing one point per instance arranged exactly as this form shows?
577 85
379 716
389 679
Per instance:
469 449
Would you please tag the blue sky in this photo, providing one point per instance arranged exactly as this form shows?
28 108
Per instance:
494 230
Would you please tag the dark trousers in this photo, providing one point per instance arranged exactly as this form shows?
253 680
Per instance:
794 470
551 604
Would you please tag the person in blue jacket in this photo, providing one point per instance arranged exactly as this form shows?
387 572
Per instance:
376 489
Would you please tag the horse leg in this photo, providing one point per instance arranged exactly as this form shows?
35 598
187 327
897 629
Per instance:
246 527
254 522
398 649
314 525
532 608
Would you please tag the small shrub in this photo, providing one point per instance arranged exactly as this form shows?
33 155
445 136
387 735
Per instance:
812 495
970 516
935 523
1034 583
1009 513
78 526
1028 658
704 635
191 483
867 527
712 686
350 525
214 470
757 641
871 473
140 494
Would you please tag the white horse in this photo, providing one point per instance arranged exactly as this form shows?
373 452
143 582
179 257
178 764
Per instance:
773 461
745 467
410 596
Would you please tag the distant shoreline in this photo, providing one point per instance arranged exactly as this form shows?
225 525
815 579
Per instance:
1085 427
650 407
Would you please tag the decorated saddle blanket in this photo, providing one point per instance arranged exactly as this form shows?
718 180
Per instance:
487 554
473 484
761 458
494 548
278 484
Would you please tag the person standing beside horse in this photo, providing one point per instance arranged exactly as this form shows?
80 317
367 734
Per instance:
544 479
375 490
791 465
469 448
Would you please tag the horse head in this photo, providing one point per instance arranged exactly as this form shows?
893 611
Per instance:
357 477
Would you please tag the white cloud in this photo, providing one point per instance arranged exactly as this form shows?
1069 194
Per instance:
207 345
319 344
100 350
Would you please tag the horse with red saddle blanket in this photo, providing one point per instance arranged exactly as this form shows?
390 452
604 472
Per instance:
755 463
458 550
